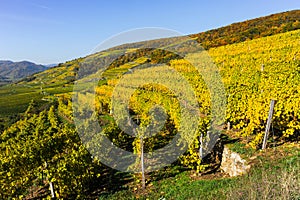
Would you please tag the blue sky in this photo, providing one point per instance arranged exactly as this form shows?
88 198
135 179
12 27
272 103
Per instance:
53 31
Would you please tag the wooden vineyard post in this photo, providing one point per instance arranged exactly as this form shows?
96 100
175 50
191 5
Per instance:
228 126
201 146
142 163
51 185
272 104
52 190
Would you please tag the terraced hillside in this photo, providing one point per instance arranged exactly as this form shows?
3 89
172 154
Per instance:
42 144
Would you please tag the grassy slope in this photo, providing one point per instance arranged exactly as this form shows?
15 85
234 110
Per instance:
274 176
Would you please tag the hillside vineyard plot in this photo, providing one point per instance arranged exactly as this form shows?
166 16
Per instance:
253 72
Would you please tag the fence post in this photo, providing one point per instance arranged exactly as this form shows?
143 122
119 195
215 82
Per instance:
201 146
272 104
142 163
52 190
51 185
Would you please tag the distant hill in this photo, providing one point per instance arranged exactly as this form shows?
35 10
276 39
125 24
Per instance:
13 71
250 29
236 32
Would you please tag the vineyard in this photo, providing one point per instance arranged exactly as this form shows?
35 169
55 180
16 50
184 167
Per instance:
43 145
255 72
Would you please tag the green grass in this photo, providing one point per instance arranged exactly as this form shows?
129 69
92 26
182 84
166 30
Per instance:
241 149
269 179
15 99
179 187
